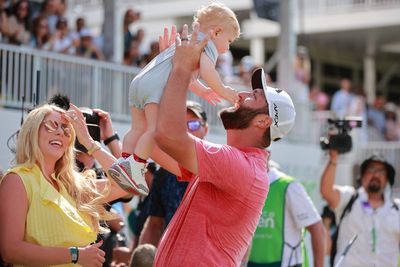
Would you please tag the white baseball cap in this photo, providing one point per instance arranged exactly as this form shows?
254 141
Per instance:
281 108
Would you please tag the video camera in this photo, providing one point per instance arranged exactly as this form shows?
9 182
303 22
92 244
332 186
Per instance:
340 140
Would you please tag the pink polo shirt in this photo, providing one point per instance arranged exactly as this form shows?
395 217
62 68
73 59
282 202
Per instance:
219 213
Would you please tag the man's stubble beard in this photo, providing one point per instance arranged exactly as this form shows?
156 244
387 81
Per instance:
241 118
374 187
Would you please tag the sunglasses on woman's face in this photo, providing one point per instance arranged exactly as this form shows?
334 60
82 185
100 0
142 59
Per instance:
194 125
52 126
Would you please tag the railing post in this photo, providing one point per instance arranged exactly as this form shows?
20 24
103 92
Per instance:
3 85
95 98
37 65
119 100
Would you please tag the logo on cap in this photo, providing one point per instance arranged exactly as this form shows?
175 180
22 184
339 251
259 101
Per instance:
276 117
278 91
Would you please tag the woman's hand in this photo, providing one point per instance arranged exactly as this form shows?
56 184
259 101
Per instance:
92 255
78 121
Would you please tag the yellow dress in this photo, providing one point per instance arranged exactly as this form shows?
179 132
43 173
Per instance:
52 219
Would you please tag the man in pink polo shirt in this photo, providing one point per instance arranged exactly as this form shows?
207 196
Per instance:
228 184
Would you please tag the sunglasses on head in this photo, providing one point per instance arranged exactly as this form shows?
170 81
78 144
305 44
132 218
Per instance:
52 126
194 125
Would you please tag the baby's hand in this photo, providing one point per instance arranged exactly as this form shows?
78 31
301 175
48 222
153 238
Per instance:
230 94
212 97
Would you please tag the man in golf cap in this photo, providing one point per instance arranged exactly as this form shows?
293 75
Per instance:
228 184
369 212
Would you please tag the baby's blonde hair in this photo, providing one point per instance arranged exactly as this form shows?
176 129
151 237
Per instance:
217 14
80 187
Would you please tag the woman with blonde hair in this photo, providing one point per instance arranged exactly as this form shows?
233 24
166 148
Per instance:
50 212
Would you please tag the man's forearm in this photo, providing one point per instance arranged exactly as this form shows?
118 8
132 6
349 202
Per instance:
328 178
115 148
327 184
150 237
317 231
152 231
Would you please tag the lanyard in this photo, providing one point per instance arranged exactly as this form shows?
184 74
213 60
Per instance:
371 212
373 233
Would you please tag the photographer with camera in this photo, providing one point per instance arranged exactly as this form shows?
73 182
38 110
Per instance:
100 129
367 212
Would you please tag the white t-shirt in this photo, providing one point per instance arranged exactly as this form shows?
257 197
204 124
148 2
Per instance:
300 212
377 230
62 43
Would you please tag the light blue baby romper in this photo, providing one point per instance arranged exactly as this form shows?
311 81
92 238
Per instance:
148 85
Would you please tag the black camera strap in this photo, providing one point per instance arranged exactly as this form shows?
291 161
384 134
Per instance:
335 235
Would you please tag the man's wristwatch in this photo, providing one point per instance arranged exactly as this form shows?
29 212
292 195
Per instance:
74 254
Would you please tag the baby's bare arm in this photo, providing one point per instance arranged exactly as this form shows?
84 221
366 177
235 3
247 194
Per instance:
210 75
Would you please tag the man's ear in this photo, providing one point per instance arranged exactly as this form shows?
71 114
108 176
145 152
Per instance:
206 129
262 121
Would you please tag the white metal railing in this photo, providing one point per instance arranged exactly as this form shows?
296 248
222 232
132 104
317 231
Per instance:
87 82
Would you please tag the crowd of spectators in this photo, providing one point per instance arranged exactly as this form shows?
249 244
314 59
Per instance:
44 26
